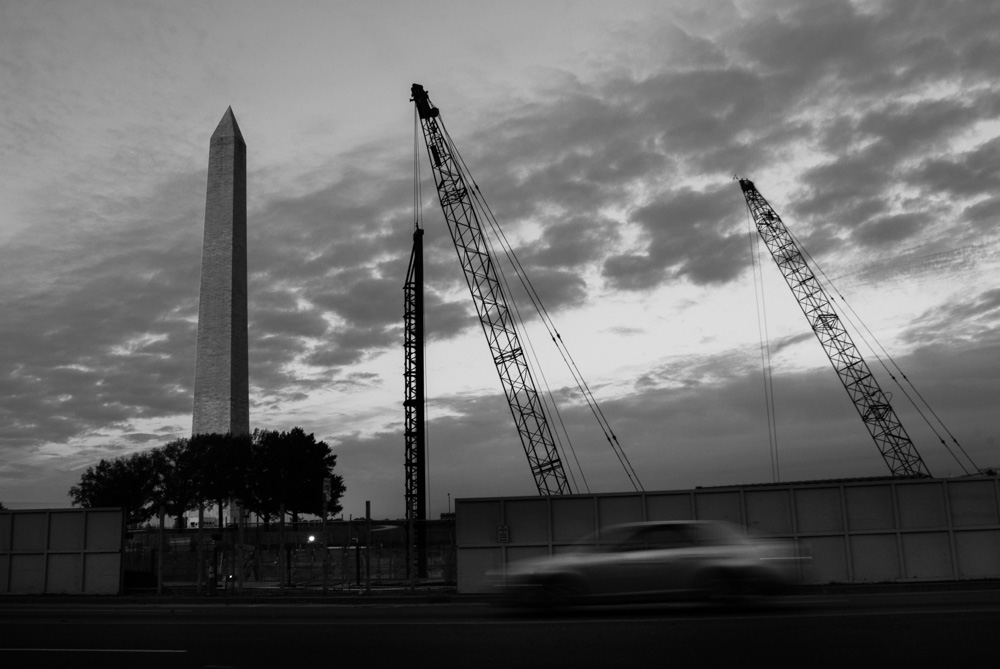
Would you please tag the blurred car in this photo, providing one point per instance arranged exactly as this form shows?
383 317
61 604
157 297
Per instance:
656 561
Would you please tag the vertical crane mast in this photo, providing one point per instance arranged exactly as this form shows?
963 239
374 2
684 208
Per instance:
413 375
491 304
872 404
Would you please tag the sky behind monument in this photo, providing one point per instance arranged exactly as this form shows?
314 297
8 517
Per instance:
604 135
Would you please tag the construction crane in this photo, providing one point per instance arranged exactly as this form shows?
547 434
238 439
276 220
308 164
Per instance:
871 403
490 302
413 405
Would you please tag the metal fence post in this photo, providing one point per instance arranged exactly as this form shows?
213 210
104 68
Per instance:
240 539
368 548
201 550
282 568
161 543
326 551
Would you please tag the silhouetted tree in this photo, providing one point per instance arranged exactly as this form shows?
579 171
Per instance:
262 471
222 462
177 479
288 468
128 481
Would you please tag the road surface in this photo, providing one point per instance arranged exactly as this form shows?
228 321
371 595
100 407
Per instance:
912 629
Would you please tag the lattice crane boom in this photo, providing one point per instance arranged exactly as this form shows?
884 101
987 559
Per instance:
415 464
490 303
871 403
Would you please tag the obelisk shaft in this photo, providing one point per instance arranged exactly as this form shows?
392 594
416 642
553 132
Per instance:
221 384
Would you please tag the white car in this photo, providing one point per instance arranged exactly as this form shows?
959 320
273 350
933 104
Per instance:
656 561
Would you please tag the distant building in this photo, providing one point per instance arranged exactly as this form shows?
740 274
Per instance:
221 377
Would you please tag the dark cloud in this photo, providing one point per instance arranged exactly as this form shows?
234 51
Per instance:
973 319
972 173
444 320
573 242
106 336
299 322
984 213
691 235
889 229
804 76
916 126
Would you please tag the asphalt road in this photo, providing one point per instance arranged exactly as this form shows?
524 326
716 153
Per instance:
912 629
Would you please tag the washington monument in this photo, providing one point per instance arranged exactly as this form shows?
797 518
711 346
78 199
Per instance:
221 386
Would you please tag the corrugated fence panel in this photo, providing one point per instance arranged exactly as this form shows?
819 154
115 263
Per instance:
869 507
921 505
875 558
675 506
819 510
718 506
530 517
865 531
828 559
927 556
572 518
618 510
769 511
978 553
478 523
973 503
61 551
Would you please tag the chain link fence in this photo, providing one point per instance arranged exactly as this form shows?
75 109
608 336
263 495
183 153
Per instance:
257 556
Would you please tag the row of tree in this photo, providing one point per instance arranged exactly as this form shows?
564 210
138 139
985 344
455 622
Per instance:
262 472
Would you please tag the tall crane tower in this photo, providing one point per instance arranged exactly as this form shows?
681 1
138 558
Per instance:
490 302
415 464
871 403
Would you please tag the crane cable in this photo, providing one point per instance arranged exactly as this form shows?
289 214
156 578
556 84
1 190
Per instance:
863 329
559 446
765 346
561 436
568 360
546 319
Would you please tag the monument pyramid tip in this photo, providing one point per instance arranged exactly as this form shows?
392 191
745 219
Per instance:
228 125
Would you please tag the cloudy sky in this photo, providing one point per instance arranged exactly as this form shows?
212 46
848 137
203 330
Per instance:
605 136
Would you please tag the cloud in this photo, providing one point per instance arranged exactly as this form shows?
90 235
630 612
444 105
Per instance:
104 325
690 235
973 318
983 213
890 229
870 126
968 174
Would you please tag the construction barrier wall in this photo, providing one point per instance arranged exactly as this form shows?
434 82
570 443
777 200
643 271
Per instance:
861 531
61 551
